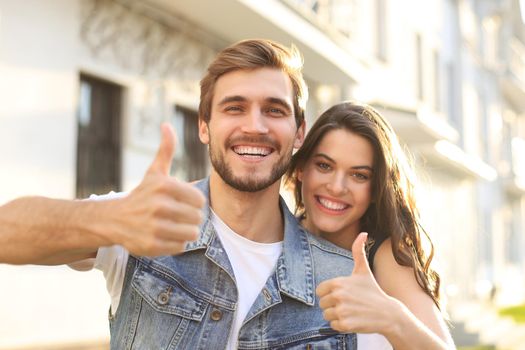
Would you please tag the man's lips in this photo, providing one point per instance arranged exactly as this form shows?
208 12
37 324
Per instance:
252 151
256 146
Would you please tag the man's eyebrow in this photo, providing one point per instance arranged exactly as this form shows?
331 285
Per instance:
280 102
357 167
234 98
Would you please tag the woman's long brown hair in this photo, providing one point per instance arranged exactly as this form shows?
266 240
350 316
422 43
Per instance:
393 212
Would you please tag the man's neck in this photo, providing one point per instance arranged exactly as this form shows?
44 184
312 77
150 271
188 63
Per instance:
254 215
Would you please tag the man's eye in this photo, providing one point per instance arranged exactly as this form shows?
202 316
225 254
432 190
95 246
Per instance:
276 111
233 109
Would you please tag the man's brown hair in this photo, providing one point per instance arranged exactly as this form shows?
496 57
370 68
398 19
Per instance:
253 54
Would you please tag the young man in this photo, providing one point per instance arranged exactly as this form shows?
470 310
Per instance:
248 280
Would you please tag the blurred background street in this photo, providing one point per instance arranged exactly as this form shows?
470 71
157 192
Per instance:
85 84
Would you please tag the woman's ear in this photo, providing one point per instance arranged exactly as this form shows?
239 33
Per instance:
300 175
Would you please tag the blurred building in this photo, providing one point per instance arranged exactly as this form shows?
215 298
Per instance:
85 84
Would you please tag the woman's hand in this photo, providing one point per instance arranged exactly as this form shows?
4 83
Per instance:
356 303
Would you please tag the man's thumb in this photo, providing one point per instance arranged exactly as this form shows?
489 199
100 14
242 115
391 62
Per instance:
358 252
163 158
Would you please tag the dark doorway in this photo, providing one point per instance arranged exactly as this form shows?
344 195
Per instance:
191 160
99 141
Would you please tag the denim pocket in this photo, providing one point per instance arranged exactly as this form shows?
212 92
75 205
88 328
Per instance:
307 341
335 342
165 294
164 310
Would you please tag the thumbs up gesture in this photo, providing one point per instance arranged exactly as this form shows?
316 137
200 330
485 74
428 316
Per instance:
355 303
161 214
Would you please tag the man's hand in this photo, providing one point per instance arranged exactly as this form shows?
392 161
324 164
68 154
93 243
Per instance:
161 214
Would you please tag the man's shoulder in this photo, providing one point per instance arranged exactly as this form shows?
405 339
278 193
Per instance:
326 247
329 260
314 242
293 224
312 258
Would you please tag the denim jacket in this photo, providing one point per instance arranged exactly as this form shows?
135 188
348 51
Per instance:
188 301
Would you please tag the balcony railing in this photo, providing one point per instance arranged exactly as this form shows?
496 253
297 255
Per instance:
517 59
518 157
338 15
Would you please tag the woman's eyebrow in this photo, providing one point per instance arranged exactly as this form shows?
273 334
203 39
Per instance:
322 155
357 167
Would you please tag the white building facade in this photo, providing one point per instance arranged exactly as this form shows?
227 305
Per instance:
85 84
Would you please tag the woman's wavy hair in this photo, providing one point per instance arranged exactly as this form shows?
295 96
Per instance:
392 211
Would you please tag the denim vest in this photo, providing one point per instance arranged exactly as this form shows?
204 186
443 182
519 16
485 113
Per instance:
188 301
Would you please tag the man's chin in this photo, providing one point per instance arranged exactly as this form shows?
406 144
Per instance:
250 184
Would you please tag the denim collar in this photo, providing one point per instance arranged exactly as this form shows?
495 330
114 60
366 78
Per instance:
294 270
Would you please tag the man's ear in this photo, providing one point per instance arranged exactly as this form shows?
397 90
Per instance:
299 136
204 131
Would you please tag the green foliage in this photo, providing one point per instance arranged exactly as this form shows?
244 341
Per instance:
516 312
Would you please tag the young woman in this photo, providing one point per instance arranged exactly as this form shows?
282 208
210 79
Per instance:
351 177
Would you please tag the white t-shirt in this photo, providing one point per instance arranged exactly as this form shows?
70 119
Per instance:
372 341
252 264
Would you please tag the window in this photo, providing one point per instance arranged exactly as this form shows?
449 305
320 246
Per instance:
437 82
191 161
452 98
514 240
99 141
381 29
419 68
485 135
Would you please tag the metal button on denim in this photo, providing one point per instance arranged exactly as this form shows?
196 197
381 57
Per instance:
267 295
216 315
163 298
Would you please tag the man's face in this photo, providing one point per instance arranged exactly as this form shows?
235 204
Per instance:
252 129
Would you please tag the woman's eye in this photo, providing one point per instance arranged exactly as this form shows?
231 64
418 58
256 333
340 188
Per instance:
360 177
323 166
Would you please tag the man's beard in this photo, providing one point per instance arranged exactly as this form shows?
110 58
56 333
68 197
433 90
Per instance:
247 183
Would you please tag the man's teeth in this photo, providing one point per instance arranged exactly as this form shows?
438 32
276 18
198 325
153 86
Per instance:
252 151
332 205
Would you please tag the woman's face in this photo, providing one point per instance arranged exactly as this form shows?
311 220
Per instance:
337 186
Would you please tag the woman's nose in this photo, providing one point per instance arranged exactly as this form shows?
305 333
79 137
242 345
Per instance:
338 184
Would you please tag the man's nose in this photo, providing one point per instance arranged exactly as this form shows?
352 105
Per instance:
254 122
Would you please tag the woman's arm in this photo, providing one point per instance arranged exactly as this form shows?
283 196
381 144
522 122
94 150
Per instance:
416 321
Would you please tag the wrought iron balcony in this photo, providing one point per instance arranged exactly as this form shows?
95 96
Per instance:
516 182
517 60
330 15
513 77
